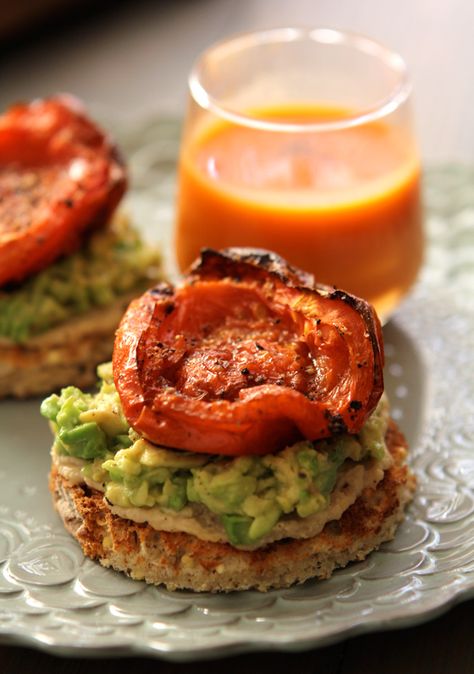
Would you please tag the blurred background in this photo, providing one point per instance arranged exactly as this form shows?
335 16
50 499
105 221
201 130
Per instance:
130 59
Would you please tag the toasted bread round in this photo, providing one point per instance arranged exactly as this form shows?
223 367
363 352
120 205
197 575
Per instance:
182 561
68 353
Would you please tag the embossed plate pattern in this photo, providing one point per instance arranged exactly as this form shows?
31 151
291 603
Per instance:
53 598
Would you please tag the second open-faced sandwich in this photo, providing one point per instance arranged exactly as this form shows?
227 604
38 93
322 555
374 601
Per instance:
240 439
68 265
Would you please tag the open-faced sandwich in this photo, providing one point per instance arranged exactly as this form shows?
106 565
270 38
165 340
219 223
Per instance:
68 267
240 438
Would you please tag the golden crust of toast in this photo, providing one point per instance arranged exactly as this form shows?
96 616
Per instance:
180 560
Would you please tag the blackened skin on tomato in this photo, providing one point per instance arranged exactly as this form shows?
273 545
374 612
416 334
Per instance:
246 355
60 177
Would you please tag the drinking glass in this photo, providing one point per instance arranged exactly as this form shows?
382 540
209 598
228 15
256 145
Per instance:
301 141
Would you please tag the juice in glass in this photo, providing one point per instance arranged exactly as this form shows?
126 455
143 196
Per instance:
334 191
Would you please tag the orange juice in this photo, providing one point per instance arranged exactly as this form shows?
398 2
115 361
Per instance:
343 204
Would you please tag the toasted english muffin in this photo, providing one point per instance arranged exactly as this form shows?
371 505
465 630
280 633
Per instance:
182 561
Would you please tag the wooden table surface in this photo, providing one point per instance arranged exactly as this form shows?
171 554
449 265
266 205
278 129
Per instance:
132 61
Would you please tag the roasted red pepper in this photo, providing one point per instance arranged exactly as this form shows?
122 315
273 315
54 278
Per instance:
59 177
246 355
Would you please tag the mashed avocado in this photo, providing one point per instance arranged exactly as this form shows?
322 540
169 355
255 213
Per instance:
113 261
249 493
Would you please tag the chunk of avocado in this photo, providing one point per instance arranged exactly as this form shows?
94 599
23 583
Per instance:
237 529
109 418
86 441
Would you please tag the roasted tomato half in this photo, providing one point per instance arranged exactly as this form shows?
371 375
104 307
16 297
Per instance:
246 355
59 176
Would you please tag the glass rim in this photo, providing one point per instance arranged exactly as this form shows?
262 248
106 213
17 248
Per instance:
330 36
